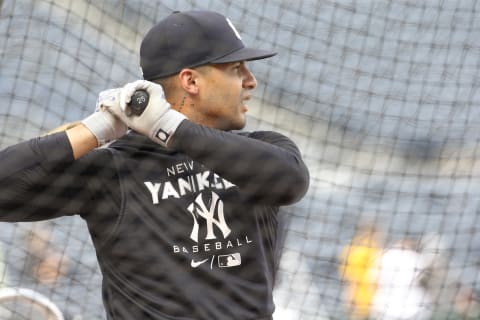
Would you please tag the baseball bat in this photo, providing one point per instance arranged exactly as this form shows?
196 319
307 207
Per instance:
138 103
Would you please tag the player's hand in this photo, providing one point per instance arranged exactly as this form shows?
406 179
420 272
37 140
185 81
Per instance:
105 126
158 121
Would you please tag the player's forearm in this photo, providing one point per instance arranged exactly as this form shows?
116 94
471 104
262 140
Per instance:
81 140
262 170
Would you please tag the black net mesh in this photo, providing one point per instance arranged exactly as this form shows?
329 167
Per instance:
380 97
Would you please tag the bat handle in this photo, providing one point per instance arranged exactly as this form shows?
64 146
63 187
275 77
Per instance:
138 103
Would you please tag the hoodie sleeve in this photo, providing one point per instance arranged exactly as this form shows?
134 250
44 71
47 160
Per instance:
265 165
39 180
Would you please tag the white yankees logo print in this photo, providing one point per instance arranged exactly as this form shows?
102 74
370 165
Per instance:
200 209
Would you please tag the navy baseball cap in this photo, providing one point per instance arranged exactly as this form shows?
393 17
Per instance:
190 39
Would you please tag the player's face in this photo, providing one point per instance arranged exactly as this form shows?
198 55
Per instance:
226 89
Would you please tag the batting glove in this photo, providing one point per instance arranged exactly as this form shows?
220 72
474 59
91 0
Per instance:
105 126
158 121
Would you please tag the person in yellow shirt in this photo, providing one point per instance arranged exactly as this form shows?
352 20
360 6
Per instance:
359 269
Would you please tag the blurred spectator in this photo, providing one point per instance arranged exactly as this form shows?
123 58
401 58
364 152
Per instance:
464 306
399 295
467 304
3 269
45 262
359 268
441 285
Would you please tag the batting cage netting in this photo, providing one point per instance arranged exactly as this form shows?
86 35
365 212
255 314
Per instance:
381 98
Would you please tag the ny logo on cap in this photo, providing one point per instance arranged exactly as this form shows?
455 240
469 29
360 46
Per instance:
233 28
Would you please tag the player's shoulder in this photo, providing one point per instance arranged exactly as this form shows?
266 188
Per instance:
268 136
258 134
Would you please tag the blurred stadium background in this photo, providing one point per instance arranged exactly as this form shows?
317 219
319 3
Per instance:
380 95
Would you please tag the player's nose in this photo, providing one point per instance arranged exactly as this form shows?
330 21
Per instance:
249 81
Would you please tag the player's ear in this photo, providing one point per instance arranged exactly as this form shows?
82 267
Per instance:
189 80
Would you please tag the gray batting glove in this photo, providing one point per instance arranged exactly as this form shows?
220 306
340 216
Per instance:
105 126
158 121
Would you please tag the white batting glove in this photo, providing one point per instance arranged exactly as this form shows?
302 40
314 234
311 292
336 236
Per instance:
105 126
158 121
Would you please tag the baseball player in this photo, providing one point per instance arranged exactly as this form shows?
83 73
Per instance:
181 207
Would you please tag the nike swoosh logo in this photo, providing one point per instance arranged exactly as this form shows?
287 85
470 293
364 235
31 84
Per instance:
195 264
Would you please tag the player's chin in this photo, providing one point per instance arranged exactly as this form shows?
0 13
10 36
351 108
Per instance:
240 122
235 126
237 123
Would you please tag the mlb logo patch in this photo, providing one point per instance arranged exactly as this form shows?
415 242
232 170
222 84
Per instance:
229 260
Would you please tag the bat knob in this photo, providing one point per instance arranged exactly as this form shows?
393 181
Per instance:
138 103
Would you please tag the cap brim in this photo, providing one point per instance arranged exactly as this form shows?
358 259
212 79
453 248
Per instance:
245 54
